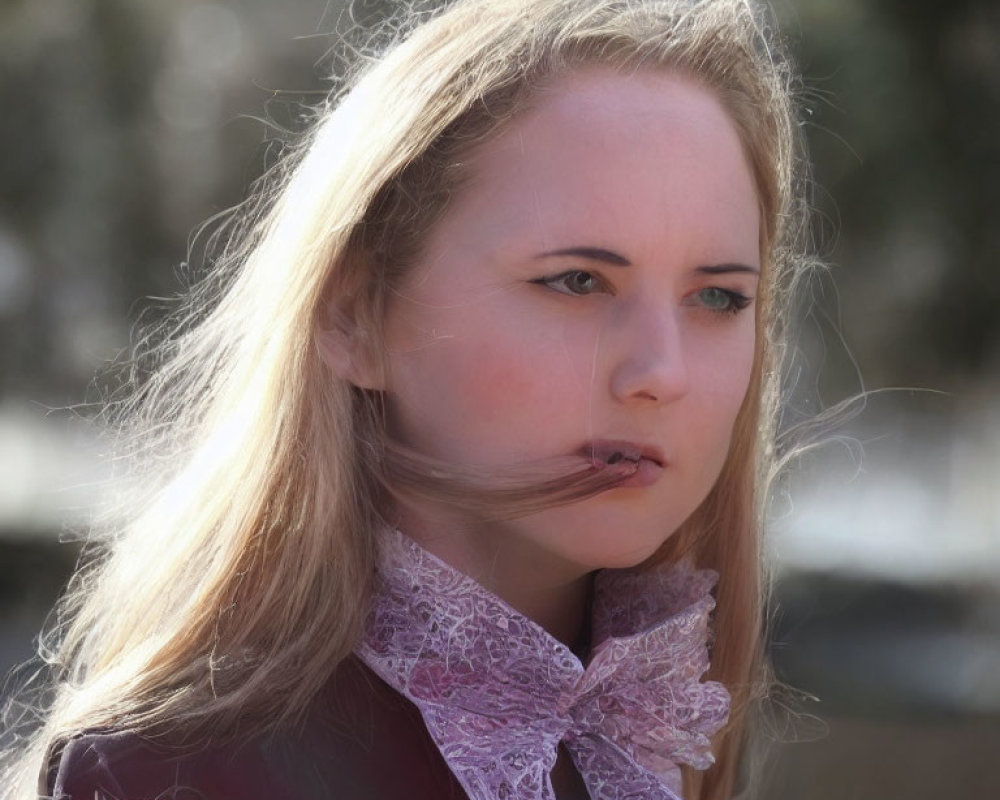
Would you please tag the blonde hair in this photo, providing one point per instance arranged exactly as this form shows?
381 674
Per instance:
238 578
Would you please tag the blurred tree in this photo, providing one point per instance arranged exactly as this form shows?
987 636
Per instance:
906 137
72 184
122 131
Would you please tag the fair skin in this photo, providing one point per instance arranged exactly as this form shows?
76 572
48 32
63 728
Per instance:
589 291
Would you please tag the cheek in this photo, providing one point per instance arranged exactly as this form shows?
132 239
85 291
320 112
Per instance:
728 362
730 383
722 377
494 378
518 375
484 380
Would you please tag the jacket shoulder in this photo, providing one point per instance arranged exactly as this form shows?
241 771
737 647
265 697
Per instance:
125 766
360 741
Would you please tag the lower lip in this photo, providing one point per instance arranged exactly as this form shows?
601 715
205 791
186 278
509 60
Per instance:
646 475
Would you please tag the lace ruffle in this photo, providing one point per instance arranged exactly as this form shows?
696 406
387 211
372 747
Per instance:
498 693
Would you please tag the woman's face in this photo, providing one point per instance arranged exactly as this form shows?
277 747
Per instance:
590 289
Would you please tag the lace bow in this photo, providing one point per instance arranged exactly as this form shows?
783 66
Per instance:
498 693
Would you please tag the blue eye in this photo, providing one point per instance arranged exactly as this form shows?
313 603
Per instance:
722 301
575 282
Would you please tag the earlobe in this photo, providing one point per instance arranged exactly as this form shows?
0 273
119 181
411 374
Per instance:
347 354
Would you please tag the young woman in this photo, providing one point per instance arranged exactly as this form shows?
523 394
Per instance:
442 464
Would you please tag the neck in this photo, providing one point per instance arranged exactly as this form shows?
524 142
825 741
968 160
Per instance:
563 611
548 590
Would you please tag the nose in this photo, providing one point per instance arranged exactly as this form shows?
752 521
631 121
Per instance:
650 363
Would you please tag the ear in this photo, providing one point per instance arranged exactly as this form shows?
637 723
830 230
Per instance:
347 350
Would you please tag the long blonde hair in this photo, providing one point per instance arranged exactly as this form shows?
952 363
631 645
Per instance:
234 577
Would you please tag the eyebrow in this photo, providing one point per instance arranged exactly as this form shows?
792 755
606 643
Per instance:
614 259
591 253
722 269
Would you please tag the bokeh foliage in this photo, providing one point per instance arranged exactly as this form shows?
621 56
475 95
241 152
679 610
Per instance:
128 122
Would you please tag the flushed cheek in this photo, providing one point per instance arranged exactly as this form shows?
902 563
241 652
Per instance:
494 380
515 382
498 395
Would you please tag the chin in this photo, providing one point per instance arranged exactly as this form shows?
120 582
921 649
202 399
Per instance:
613 532
614 544
626 559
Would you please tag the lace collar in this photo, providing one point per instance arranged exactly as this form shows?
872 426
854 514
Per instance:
498 693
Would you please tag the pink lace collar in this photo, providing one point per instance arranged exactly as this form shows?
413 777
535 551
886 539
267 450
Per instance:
498 693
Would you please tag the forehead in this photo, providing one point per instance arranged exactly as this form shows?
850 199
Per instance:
602 102
611 153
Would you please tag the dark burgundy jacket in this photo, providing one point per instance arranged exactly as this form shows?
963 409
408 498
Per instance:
361 741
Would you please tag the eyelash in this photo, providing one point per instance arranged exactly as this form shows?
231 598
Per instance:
553 282
736 301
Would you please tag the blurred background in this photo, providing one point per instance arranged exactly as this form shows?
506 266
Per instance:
126 123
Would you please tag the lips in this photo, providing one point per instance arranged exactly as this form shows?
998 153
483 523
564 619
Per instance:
611 452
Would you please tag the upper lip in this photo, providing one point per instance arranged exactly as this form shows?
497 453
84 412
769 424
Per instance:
603 449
